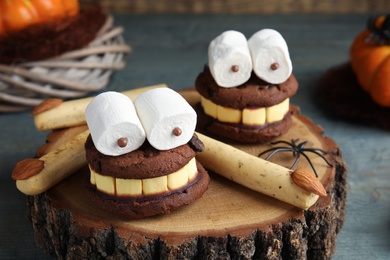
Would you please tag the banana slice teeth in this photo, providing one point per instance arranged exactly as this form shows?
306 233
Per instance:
105 183
192 169
178 179
155 185
129 187
255 116
147 187
277 112
209 107
229 115
92 178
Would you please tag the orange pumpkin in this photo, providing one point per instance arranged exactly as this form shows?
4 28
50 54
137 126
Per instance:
370 59
19 14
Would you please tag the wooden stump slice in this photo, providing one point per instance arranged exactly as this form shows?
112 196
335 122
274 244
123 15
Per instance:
228 222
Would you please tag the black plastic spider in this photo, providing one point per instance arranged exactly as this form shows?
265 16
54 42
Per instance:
379 34
297 150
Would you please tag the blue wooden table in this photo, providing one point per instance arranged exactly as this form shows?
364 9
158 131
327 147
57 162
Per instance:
172 49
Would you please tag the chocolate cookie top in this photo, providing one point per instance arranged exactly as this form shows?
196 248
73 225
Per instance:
145 162
253 93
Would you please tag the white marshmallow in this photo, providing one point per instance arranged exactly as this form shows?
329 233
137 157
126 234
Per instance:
268 47
228 50
161 111
111 116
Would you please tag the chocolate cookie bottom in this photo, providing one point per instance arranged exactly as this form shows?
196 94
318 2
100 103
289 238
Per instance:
150 206
242 133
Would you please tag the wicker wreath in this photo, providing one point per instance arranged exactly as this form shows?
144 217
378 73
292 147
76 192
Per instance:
71 75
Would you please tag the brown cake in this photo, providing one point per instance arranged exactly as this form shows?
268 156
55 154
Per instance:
146 168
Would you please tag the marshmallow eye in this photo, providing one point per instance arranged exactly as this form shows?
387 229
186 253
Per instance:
169 121
119 126
232 58
270 56
230 61
114 124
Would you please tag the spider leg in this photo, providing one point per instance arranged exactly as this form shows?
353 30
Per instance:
302 145
274 151
267 151
294 141
319 150
283 142
297 156
315 151
311 164
298 147
297 150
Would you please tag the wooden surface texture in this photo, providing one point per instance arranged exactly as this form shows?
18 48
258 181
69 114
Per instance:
172 49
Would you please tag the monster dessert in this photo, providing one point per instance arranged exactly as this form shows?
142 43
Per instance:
246 87
142 156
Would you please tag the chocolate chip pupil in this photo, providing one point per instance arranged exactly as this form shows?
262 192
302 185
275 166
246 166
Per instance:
122 142
235 68
177 131
275 66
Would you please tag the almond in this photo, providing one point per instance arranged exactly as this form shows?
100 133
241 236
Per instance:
27 168
46 104
307 181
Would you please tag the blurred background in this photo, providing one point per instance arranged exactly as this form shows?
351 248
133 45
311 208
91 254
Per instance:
244 6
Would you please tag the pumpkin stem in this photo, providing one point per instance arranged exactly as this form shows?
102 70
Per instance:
379 27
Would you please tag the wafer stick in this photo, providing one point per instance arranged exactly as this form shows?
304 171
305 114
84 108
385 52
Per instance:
71 113
34 176
252 172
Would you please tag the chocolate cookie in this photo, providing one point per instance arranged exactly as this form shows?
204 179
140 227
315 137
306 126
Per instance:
141 163
147 181
253 93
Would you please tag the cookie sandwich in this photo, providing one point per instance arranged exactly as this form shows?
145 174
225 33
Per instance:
141 155
246 87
